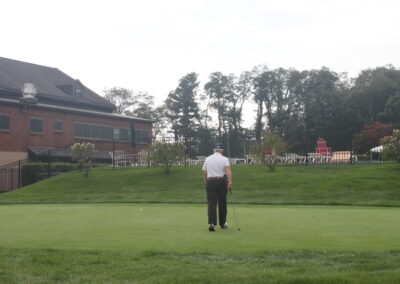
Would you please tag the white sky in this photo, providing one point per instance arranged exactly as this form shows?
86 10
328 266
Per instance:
148 45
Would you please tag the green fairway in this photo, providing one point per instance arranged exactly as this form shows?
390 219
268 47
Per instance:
183 228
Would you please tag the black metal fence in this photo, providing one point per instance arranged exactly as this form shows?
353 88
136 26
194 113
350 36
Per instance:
11 176
45 162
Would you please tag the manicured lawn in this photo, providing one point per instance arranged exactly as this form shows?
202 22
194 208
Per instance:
183 228
371 185
142 226
290 267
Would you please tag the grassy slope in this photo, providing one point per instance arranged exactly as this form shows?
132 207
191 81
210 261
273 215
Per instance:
376 185
311 267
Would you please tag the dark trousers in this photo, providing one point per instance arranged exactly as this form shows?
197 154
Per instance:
216 195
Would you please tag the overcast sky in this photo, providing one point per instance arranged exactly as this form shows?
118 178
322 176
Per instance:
148 45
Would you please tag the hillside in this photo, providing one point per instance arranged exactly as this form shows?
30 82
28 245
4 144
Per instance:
372 185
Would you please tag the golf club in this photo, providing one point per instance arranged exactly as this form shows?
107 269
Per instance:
234 211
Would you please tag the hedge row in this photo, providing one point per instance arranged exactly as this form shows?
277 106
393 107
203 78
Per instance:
33 172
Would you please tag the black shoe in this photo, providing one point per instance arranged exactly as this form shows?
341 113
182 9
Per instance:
211 228
224 226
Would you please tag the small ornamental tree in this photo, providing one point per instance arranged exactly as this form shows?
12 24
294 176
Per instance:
82 153
370 136
268 149
391 146
166 154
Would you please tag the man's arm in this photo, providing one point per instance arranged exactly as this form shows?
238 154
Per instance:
205 176
229 175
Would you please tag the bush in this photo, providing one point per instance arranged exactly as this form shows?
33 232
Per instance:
83 153
166 154
370 136
391 146
268 148
34 172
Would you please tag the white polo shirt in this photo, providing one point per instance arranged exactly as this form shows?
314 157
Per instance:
215 165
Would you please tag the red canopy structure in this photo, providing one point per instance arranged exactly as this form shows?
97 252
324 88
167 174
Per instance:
322 147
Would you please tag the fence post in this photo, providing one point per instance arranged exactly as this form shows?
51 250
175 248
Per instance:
351 154
12 178
113 155
307 158
49 164
148 155
19 174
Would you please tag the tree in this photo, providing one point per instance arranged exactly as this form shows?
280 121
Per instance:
391 146
160 124
206 141
279 95
219 90
322 107
83 153
182 110
122 98
166 154
371 92
391 112
268 149
128 103
289 121
260 85
370 136
227 95
143 107
241 93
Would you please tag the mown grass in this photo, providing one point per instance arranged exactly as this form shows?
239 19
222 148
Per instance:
369 185
308 267
183 228
169 243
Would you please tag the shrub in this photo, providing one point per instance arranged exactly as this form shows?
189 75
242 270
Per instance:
83 153
166 154
391 146
370 136
33 172
268 149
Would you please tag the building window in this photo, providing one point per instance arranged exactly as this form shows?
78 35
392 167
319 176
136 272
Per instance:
78 92
36 125
124 134
58 127
4 122
141 136
101 132
116 134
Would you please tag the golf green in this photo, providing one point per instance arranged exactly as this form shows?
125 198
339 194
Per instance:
183 228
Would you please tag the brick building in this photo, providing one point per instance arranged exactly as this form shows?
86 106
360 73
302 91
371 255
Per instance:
43 107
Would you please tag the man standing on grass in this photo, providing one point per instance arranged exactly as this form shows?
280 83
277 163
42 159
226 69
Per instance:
218 178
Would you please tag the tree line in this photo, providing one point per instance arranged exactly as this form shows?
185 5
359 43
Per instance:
298 106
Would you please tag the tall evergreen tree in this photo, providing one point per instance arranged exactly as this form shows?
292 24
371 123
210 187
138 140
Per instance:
182 110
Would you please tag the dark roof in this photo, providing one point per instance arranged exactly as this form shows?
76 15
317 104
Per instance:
78 110
45 152
51 84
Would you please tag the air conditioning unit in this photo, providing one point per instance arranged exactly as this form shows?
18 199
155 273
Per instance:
29 94
29 90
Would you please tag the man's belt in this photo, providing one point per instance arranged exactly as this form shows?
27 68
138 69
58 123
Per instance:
215 178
